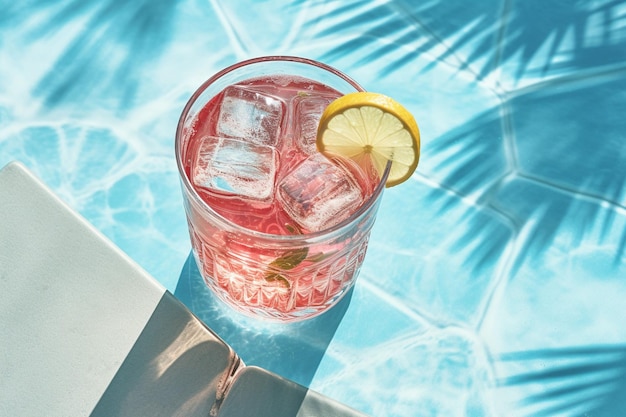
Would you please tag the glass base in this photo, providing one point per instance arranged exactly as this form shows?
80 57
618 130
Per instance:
256 308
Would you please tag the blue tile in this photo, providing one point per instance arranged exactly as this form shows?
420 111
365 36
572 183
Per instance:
572 134
552 325
409 258
402 33
416 374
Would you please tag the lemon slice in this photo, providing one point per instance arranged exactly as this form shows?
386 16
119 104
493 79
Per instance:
365 125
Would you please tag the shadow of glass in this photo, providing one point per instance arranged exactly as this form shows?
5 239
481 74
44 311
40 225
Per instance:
291 350
581 381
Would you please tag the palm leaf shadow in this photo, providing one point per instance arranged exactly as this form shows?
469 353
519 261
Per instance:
565 27
392 35
585 185
108 57
442 29
578 381
478 167
533 208
399 25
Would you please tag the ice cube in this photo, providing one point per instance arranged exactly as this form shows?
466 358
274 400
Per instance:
235 167
308 110
318 194
249 114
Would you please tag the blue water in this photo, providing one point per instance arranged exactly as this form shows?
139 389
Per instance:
496 276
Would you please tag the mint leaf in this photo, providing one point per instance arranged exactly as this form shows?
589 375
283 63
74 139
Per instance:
274 276
290 259
293 229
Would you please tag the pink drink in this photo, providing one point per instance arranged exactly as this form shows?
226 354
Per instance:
292 147
278 230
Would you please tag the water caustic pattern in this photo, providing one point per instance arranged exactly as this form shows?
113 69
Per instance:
495 277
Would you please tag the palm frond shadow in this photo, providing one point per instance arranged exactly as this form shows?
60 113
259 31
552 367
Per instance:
570 31
444 29
477 160
534 209
574 381
399 25
562 209
108 57
477 167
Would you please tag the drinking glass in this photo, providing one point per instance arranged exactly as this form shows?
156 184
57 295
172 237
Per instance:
280 277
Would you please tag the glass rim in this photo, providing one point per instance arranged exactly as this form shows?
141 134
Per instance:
229 225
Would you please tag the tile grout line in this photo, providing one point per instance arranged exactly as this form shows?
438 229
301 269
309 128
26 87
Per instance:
506 263
509 141
497 58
